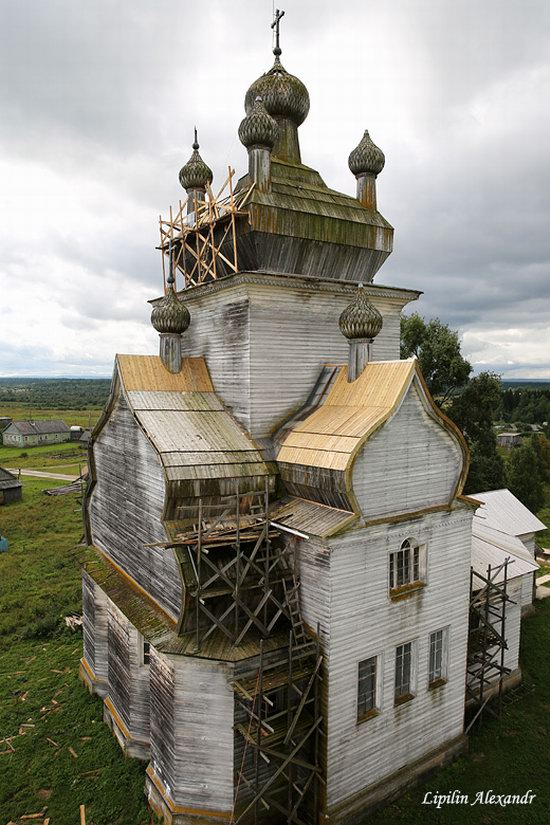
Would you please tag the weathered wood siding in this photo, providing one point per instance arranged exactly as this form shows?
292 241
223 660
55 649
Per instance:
128 676
126 505
529 541
94 626
411 463
293 333
119 663
526 596
192 730
364 622
163 733
513 623
220 332
265 345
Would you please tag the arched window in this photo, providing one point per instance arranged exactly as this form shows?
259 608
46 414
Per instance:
407 565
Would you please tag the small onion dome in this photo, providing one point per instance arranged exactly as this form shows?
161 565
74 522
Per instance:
360 319
367 158
283 95
195 174
258 128
170 315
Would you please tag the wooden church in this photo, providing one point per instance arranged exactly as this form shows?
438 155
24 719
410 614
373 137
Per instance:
277 612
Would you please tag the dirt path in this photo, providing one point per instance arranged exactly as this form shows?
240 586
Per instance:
43 474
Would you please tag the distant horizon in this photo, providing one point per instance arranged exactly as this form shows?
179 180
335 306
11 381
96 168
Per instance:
109 377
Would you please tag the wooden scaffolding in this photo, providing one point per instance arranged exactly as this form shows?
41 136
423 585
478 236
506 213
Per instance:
487 639
241 585
278 767
203 234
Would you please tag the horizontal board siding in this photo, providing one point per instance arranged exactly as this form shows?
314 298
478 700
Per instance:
261 368
203 719
293 333
365 623
219 331
139 688
88 619
163 734
411 463
513 624
126 506
119 662
95 622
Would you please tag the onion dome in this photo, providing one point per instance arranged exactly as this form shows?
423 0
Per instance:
360 319
195 174
367 158
170 315
283 95
258 128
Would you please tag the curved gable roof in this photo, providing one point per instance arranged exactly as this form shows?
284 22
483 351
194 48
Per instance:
330 438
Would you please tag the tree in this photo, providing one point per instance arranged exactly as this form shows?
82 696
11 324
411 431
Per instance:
475 410
438 351
541 446
523 478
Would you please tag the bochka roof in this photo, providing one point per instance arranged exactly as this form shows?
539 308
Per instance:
41 427
194 436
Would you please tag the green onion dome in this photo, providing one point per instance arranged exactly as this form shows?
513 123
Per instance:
258 128
170 315
367 158
195 174
283 95
360 319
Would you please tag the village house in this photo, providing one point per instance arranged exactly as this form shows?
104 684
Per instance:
280 601
10 487
35 433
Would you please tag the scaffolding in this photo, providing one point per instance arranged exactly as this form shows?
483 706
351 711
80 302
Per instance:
487 639
241 587
203 234
279 772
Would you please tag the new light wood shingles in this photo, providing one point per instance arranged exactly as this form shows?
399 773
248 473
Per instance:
185 421
148 373
330 436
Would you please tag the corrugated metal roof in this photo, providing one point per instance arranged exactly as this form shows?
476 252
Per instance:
41 427
195 437
502 511
511 544
352 411
486 553
310 517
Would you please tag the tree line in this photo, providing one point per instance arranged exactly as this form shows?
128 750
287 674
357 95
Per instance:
475 404
55 393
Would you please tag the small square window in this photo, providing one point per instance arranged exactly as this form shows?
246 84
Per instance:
366 687
146 653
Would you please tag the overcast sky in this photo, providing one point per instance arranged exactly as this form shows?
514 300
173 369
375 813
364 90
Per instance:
97 105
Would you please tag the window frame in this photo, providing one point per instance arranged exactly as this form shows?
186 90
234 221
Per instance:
435 681
144 651
405 696
407 568
375 710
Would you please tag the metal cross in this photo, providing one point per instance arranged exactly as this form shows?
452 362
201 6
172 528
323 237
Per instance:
275 25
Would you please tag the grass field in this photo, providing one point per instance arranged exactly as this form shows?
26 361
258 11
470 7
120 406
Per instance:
64 458
57 754
43 705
